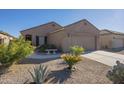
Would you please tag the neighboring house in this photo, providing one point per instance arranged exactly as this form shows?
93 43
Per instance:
5 38
111 39
81 33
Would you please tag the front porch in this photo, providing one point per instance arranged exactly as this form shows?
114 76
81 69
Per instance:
36 40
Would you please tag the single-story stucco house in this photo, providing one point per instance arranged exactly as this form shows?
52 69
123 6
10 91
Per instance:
111 39
81 33
5 38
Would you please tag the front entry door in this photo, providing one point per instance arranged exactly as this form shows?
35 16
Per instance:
40 40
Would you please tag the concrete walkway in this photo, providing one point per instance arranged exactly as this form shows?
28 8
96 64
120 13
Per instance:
107 58
43 56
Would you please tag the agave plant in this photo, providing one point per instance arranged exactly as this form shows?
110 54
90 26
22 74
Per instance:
39 74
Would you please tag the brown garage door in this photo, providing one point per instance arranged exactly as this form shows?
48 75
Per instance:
87 42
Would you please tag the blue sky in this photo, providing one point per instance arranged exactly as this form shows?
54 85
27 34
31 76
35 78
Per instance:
13 21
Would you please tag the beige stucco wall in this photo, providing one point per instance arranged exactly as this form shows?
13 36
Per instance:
40 31
78 30
106 40
5 39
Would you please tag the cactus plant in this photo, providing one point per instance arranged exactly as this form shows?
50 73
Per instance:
39 74
116 74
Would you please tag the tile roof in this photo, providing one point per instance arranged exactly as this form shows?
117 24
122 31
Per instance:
83 20
52 22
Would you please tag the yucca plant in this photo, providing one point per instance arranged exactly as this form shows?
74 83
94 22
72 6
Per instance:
39 74
71 59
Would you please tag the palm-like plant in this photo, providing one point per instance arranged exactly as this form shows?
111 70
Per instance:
39 74
71 59
76 50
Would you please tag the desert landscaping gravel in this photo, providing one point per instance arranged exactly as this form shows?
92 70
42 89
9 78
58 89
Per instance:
87 72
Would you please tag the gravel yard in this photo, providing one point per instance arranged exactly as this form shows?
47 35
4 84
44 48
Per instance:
87 72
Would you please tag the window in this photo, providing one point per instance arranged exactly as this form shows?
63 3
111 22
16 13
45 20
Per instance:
45 41
28 38
1 41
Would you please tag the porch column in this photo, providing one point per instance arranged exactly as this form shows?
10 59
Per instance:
97 42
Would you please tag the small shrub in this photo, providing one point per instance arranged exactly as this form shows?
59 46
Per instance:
39 74
46 46
116 74
6 56
71 59
42 49
76 50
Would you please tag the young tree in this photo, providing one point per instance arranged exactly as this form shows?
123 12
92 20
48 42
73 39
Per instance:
16 50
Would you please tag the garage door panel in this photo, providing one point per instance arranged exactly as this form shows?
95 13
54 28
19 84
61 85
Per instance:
87 42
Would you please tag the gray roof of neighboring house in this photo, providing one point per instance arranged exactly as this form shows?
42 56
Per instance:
5 33
106 32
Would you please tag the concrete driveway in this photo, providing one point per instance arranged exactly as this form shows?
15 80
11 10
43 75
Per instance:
107 58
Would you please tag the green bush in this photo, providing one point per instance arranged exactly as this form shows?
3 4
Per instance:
16 50
42 49
6 57
71 59
116 74
76 50
39 74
